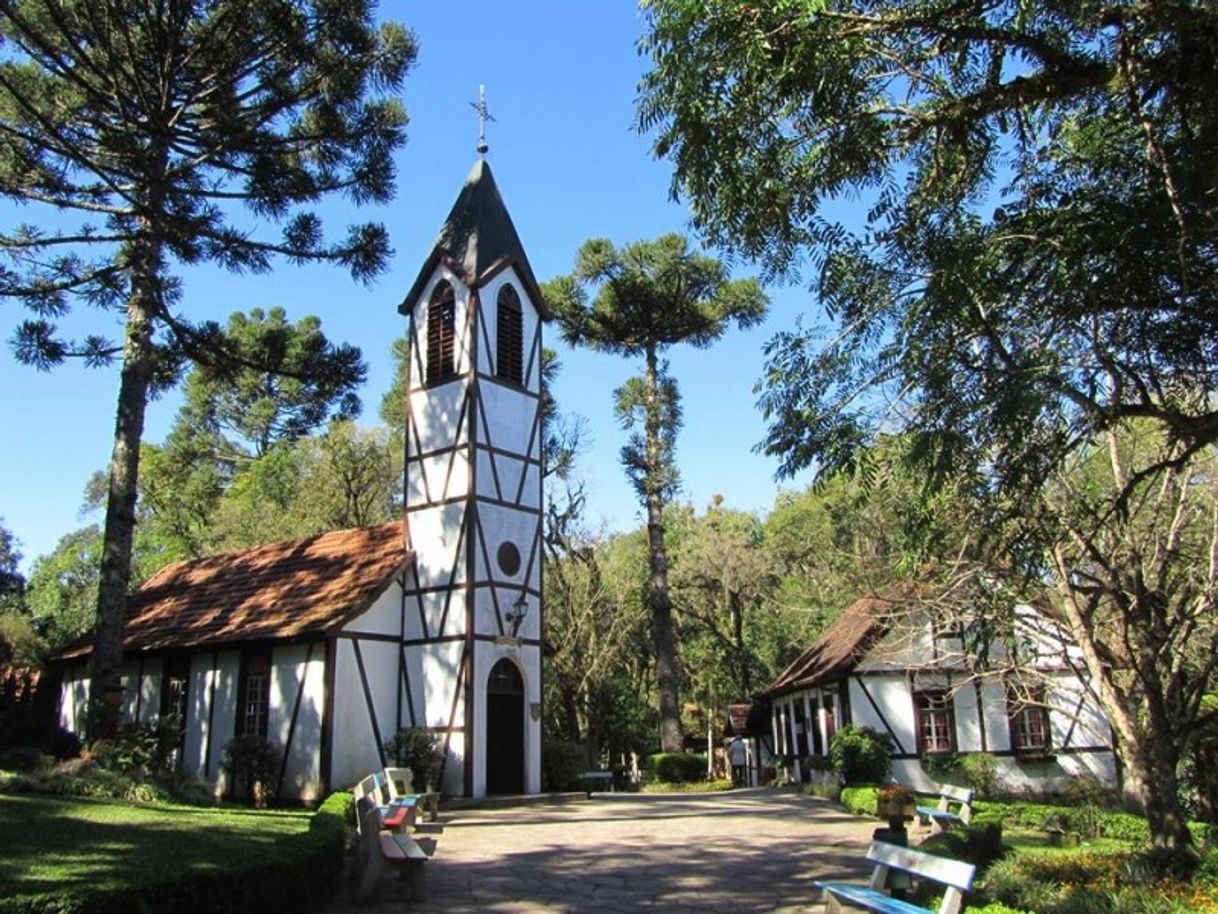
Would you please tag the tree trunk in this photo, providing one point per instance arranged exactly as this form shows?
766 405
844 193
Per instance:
106 687
658 600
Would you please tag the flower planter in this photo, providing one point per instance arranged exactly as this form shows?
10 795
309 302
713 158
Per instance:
896 809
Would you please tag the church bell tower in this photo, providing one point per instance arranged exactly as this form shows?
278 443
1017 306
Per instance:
473 498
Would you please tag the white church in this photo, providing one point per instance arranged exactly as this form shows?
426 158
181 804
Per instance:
329 645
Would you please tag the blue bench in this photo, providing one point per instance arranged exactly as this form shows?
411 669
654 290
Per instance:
955 875
943 815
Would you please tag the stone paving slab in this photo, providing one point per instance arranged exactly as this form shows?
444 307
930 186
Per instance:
737 852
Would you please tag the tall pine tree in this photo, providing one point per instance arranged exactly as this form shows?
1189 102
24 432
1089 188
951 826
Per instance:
138 129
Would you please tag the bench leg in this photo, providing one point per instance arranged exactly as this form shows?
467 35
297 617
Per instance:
370 873
412 874
832 905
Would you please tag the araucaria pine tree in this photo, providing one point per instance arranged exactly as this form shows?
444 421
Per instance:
648 297
142 132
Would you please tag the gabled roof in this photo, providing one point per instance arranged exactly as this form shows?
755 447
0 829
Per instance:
477 240
844 643
275 591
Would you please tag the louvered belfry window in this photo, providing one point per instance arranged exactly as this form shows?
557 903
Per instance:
509 348
441 333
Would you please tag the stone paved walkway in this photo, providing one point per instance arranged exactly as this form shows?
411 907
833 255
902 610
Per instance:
738 852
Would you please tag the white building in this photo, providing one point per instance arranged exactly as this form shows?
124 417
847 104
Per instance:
939 696
329 645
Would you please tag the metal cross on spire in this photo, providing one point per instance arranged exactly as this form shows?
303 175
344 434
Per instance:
484 115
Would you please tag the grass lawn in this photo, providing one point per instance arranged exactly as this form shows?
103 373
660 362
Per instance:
53 844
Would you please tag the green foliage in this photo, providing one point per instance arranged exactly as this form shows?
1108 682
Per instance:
252 761
283 380
860 800
861 755
140 749
20 644
562 763
980 772
676 767
1031 296
422 751
12 582
980 845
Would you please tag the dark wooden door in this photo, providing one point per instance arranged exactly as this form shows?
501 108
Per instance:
505 729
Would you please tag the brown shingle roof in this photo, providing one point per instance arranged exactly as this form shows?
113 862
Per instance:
274 591
844 643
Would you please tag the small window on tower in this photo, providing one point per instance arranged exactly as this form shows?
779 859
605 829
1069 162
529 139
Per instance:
441 333
509 355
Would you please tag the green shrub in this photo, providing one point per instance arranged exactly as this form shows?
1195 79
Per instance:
422 751
140 750
562 763
980 845
253 762
23 758
830 792
861 755
979 771
677 767
860 800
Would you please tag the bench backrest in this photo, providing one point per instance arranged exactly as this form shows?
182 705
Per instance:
399 776
963 796
955 875
958 794
368 820
365 788
919 863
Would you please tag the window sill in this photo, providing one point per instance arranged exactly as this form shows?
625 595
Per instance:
1034 756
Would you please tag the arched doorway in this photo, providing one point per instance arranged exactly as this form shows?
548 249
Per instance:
505 729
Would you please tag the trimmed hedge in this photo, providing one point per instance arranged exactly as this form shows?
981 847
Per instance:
860 800
562 763
677 767
294 872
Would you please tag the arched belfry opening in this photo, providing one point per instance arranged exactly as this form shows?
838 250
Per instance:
505 721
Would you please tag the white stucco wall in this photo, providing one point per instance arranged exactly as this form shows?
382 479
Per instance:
355 751
298 677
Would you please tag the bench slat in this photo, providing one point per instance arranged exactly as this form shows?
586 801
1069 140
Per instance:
401 847
872 900
941 869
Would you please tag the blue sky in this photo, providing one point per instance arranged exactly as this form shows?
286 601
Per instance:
561 82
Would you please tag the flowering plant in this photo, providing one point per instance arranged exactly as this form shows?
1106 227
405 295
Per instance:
895 794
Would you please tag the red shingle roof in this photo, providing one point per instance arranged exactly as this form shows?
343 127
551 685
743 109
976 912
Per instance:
844 643
274 591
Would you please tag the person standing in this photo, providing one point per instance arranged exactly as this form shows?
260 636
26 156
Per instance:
738 754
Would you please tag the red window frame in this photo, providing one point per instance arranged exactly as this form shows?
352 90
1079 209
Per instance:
935 716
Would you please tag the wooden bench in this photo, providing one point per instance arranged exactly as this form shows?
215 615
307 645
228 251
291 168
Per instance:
955 875
379 850
943 815
602 778
399 784
396 815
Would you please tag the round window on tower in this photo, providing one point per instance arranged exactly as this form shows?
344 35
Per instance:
509 558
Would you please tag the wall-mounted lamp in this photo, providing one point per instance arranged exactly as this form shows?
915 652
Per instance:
515 616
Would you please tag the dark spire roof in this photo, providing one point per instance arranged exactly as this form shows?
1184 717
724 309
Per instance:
477 241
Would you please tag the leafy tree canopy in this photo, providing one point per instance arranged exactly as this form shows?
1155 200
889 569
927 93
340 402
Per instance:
1038 255
290 379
